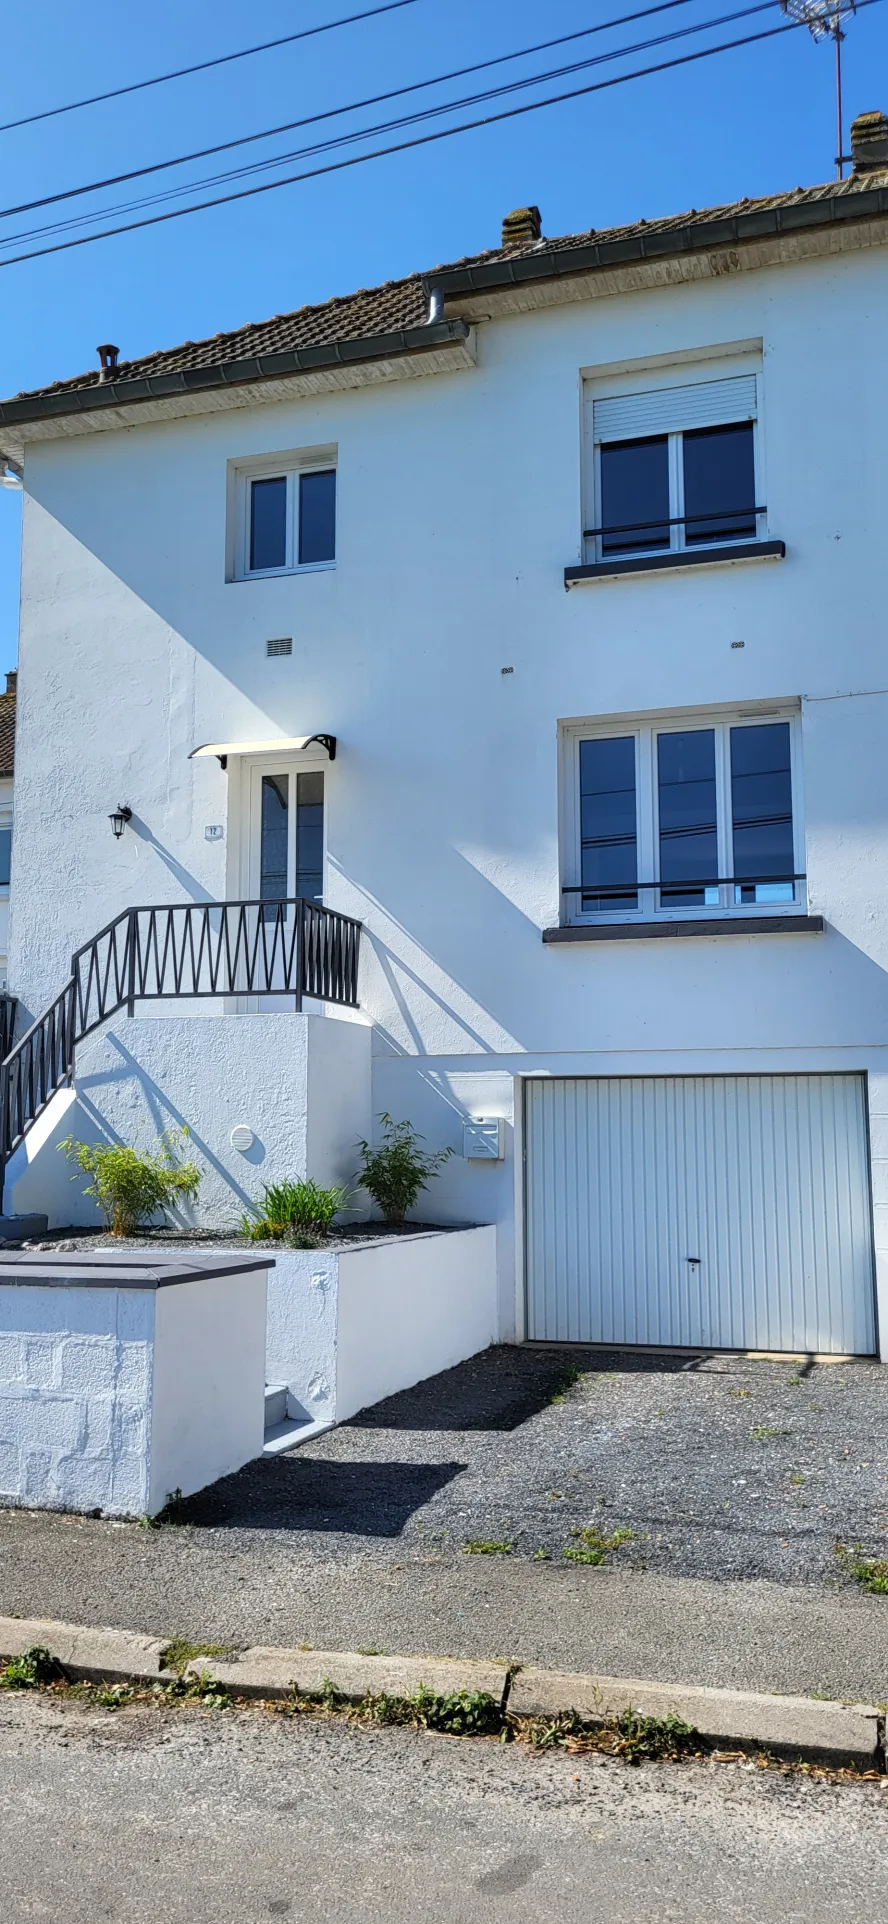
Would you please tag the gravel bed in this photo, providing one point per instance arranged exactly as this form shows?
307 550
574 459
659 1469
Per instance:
721 1467
345 1236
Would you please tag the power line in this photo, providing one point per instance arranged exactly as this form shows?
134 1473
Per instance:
354 106
419 140
383 127
201 66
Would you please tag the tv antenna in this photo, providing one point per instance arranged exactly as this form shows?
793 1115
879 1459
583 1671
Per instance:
823 19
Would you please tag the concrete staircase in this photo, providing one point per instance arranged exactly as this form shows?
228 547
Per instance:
283 1431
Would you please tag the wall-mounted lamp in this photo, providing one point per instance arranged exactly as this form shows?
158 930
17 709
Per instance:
119 821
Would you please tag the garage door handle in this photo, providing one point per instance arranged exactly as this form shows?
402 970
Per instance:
695 1260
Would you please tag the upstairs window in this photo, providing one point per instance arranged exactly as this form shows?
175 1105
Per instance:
283 518
669 819
672 469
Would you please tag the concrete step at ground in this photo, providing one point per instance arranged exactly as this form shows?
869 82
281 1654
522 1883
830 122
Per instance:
275 1405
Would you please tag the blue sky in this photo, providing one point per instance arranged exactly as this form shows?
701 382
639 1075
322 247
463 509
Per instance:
748 122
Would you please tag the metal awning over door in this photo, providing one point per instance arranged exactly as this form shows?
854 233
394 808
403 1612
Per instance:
727 1212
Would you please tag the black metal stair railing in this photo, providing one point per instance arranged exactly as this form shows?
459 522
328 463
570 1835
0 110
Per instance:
292 947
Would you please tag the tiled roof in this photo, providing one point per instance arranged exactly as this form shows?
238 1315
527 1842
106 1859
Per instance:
404 303
7 733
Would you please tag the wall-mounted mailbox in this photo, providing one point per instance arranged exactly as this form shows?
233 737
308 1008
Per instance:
484 1139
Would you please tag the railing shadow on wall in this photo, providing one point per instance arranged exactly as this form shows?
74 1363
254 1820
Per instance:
184 950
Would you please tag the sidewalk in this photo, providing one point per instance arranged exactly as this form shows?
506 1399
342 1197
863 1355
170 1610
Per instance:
749 1636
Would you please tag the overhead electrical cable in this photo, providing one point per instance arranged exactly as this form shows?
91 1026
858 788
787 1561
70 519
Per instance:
353 106
418 140
381 127
201 66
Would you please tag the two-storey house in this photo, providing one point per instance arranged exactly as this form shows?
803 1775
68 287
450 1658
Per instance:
528 613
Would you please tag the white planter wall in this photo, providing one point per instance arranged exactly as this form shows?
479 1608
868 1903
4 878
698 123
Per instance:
347 1329
112 1398
301 1083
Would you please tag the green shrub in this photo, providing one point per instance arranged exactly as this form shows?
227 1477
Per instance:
396 1171
131 1186
299 1212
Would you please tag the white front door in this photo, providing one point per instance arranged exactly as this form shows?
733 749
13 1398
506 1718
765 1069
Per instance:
723 1212
284 847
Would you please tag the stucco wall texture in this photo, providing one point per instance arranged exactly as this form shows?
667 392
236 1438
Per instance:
301 1084
110 1399
350 1327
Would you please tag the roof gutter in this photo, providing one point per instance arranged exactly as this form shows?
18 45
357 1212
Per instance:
655 244
262 367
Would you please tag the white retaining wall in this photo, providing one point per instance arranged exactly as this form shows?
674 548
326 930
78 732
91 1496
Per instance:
111 1398
348 1328
301 1083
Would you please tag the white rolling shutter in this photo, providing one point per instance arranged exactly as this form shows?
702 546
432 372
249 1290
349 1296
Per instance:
669 410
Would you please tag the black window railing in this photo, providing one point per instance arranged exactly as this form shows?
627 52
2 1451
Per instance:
678 885
192 950
679 521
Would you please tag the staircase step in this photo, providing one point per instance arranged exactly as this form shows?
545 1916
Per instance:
275 1405
284 1436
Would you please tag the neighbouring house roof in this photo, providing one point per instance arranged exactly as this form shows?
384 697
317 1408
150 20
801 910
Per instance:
393 319
7 729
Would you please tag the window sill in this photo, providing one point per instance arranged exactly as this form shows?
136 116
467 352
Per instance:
276 574
650 564
697 925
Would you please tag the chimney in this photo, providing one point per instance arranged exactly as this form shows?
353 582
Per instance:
107 361
869 143
11 678
521 228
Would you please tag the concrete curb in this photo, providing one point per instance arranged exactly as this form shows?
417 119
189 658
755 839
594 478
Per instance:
793 1726
802 1727
104 1656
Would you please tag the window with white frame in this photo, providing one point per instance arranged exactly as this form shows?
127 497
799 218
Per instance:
672 468
683 816
284 515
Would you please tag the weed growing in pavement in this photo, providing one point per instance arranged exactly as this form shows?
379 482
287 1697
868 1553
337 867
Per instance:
564 1384
763 1433
593 1547
32 1669
477 1547
460 1713
870 1572
173 1512
179 1652
635 1738
740 1393
542 1556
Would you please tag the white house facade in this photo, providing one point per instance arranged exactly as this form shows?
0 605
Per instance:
530 613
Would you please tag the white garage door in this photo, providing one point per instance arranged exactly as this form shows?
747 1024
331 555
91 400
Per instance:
731 1212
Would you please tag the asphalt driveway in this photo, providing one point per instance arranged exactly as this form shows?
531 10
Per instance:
716 1466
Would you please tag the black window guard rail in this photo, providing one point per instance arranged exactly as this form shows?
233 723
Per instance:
678 886
292 947
677 520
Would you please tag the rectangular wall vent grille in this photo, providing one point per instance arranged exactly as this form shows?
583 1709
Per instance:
279 645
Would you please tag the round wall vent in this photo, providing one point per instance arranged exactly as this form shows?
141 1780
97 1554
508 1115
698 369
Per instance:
242 1138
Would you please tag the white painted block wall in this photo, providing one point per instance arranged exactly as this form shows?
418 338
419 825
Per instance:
111 1399
76 1368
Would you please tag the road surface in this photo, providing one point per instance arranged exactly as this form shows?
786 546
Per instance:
224 1817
